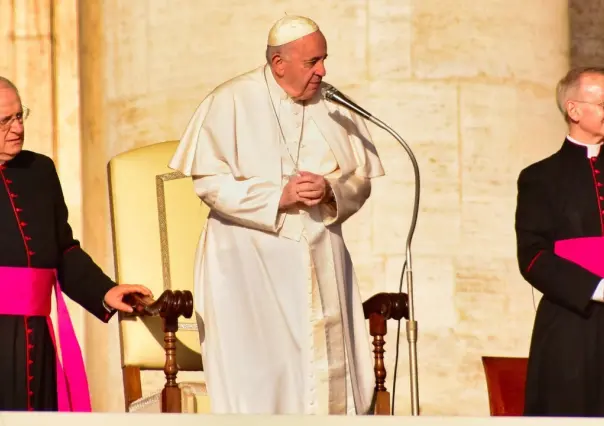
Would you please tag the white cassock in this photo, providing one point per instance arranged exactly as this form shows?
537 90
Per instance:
280 315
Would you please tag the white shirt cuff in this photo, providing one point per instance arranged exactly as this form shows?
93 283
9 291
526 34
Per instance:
110 310
599 293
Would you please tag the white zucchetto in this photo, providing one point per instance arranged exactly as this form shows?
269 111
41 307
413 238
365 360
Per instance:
290 28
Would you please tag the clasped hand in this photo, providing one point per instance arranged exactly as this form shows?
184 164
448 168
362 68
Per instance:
306 188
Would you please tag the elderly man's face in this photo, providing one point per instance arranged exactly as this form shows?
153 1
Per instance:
587 108
303 67
11 126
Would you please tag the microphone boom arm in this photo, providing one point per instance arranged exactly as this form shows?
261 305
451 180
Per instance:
411 324
334 95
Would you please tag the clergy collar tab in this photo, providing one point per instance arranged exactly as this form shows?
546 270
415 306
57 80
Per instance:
592 150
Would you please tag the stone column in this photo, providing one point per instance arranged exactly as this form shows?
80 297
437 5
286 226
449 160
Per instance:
39 56
27 60
102 343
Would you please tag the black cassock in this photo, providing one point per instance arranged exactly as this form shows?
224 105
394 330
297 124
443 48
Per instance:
34 232
559 198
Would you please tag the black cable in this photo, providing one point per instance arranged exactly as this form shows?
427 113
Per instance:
398 338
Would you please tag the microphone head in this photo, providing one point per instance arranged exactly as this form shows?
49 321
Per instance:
327 90
334 95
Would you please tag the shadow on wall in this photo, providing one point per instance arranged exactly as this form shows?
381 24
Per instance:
586 32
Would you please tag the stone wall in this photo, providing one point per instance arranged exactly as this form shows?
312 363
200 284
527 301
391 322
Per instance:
587 41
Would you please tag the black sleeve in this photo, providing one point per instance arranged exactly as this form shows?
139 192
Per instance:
561 281
81 279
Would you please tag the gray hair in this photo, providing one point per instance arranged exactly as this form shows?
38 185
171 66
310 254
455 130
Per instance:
570 83
276 50
5 83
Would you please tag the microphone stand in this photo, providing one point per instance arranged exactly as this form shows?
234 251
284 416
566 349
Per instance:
411 324
334 95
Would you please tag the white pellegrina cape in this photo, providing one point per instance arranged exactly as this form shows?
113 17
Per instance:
280 314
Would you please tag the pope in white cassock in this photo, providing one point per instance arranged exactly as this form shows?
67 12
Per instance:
280 314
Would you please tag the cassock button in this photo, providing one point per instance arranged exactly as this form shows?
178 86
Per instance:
13 195
31 393
30 378
27 238
23 223
31 253
601 198
19 210
30 346
30 362
9 181
596 171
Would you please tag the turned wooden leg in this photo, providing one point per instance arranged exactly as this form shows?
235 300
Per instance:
377 329
170 401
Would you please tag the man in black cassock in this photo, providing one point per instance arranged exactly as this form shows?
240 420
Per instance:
34 233
562 198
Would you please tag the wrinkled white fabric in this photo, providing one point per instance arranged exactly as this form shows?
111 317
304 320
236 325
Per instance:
280 314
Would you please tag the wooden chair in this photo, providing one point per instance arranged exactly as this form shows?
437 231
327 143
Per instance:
156 225
506 378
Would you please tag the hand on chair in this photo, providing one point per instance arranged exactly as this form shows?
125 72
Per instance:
114 297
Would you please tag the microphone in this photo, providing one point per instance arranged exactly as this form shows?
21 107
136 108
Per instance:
334 95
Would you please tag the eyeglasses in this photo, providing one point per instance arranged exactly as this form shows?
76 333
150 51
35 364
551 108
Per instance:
6 122
600 104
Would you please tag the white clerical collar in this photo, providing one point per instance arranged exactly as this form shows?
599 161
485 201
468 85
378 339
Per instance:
592 149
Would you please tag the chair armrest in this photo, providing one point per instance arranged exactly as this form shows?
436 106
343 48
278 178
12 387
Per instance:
387 305
170 306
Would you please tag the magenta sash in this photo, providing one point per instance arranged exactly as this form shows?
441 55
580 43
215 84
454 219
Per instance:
27 291
587 252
